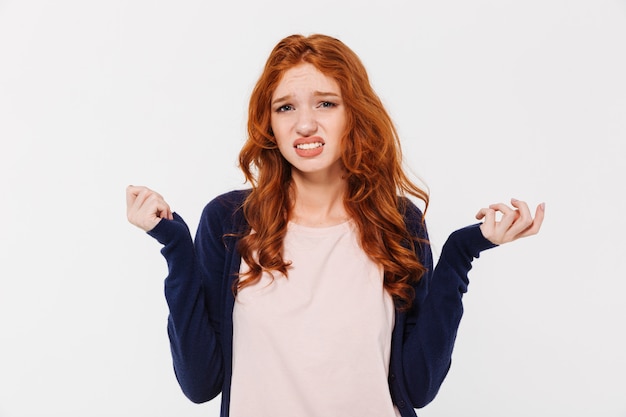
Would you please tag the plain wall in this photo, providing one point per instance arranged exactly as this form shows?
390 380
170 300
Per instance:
492 99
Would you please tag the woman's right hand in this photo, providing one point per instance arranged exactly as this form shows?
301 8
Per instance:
145 208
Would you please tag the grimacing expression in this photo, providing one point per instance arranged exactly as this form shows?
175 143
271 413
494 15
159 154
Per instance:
308 118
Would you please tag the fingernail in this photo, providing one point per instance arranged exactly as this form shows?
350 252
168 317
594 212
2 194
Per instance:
514 200
543 206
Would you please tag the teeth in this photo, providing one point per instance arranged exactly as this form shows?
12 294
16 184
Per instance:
309 145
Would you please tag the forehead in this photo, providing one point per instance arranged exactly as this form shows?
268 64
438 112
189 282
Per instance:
305 77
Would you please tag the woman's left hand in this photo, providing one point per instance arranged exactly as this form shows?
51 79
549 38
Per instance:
515 223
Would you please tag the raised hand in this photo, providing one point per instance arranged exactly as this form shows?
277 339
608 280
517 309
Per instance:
516 222
145 208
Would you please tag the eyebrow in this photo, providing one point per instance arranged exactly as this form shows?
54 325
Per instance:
288 97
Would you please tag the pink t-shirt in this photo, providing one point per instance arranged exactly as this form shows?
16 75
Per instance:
317 343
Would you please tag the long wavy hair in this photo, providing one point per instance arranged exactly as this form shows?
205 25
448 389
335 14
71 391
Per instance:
371 156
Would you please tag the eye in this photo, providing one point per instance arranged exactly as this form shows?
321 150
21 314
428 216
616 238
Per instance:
284 108
327 104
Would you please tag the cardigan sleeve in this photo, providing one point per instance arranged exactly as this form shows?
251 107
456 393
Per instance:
196 353
432 323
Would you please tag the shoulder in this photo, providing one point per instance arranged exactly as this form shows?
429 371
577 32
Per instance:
413 217
226 209
408 208
228 202
231 199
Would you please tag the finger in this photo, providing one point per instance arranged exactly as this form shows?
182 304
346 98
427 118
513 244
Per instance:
524 219
131 194
136 195
509 215
155 205
481 213
522 207
502 208
163 210
145 208
488 227
133 202
537 222
490 218
143 194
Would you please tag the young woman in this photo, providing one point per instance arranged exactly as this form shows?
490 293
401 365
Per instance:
313 293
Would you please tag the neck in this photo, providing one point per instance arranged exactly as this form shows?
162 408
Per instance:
318 204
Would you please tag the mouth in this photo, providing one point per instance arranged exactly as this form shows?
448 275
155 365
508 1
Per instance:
309 145
306 143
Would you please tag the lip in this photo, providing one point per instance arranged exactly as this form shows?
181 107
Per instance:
309 153
309 139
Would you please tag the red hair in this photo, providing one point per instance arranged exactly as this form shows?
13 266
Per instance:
371 156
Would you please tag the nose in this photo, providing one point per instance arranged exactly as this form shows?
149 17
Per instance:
306 124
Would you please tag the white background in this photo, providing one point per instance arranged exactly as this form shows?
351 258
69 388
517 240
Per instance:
493 100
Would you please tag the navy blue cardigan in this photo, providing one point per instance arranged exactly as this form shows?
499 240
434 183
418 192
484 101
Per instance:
198 290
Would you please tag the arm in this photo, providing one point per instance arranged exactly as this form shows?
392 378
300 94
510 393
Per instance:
432 324
195 351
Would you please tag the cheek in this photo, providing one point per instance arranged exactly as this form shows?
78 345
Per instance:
280 138
282 128
341 129
272 126
276 125
342 122
344 126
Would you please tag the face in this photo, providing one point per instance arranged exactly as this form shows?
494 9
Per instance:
308 120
